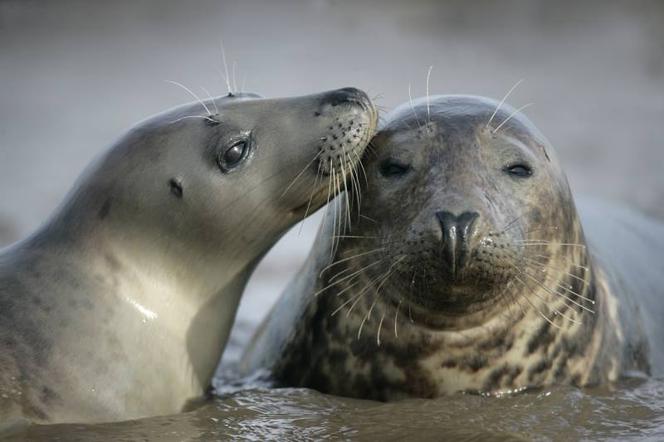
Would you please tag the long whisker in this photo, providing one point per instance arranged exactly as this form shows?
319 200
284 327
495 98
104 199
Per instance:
428 97
216 108
380 326
502 102
225 64
192 93
194 116
541 265
311 197
358 296
396 317
527 242
339 281
535 307
297 177
516 111
534 292
412 108
349 258
233 76
561 294
373 304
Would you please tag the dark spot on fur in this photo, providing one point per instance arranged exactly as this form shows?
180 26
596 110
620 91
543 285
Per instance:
542 338
494 380
176 187
541 366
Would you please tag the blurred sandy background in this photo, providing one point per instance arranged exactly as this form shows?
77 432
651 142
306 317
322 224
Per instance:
75 75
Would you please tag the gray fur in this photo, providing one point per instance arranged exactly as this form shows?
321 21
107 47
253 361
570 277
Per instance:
492 329
120 305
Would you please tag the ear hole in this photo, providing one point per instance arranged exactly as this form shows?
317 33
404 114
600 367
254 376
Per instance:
176 187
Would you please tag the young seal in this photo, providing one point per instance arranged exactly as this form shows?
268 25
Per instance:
120 305
468 270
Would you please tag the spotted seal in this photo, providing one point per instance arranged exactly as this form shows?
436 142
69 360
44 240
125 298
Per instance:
120 305
469 269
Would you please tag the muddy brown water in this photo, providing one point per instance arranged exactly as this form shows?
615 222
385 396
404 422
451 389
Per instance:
631 411
74 75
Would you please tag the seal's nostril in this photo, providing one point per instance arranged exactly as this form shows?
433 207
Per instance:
456 230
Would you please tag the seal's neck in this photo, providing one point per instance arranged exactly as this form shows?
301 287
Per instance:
167 306
535 338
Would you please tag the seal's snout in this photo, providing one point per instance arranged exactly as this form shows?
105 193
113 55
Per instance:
350 118
347 95
456 232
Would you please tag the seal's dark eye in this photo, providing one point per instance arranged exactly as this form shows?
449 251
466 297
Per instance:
393 168
519 170
233 155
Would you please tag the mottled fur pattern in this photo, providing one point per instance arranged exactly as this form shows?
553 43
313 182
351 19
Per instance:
530 309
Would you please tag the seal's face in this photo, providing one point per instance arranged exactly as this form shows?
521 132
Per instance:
461 211
240 169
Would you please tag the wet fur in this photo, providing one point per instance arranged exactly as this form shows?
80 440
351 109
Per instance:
386 345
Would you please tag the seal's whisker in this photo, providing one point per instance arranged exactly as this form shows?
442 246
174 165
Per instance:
233 76
193 116
297 177
211 98
573 293
511 223
359 163
537 264
357 236
380 326
547 243
585 268
355 174
396 318
551 291
380 278
338 211
548 290
356 298
412 107
192 93
225 65
353 194
502 102
543 269
369 219
339 261
347 205
516 111
390 272
356 282
514 300
546 318
428 96
339 281
311 197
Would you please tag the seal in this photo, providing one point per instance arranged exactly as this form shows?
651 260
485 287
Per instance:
468 269
120 305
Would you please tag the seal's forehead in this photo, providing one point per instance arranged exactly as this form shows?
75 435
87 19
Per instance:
460 114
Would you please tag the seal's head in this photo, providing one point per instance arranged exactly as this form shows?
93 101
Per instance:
231 172
466 206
